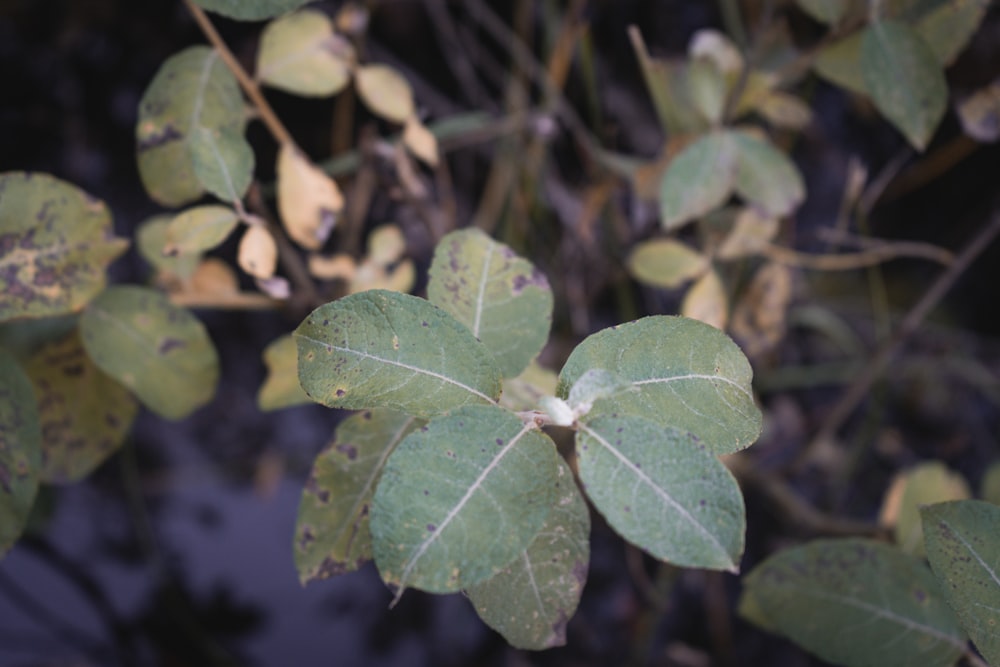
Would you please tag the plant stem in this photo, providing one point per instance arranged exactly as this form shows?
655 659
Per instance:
854 394
249 86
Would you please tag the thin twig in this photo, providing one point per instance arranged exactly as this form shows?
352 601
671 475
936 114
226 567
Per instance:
250 87
854 394
876 254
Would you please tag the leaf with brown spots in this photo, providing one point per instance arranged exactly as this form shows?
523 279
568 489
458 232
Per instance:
530 601
502 298
55 244
331 532
20 450
158 350
84 414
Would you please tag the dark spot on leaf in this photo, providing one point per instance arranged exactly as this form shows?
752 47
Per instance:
332 568
500 442
169 344
627 508
324 496
73 370
340 392
431 527
424 324
166 135
326 322
350 451
426 492
537 279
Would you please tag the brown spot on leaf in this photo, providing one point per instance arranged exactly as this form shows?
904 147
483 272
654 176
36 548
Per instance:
156 139
169 344
348 450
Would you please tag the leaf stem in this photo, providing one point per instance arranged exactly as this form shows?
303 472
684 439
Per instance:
249 86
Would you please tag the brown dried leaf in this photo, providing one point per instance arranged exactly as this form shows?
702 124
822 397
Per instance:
707 301
759 318
751 233
309 201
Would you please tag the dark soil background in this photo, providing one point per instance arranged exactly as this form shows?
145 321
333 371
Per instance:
178 550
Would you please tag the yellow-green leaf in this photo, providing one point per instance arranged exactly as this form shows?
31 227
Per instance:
159 351
300 53
840 63
84 414
665 263
55 244
385 92
948 27
199 229
699 179
281 388
151 239
765 177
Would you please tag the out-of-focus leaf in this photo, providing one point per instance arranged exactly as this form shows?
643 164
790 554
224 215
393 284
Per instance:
198 229
531 600
752 232
250 10
669 87
258 252
706 301
502 298
385 91
766 177
716 47
663 491
159 351
151 239
699 178
948 27
925 484
683 373
856 602
904 79
840 63
461 498
526 390
309 201
331 532
20 450
84 414
825 11
963 547
190 131
281 388
55 244
300 53
759 319
989 486
980 113
385 349
709 88
420 141
785 110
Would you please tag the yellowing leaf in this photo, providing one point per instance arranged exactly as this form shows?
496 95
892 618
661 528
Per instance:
785 110
151 239
904 79
258 253
948 27
300 53
213 276
199 229
386 244
385 92
420 141
707 301
281 387
924 484
759 318
751 233
55 243
309 201
980 113
665 263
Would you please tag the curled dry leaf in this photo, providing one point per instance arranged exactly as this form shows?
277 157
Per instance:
707 302
309 201
258 253
385 92
420 141
759 320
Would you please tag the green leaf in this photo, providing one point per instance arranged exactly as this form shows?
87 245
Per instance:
709 88
20 450
461 498
189 135
385 92
765 177
530 601
904 79
159 351
84 414
331 532
55 244
527 389
824 11
250 10
199 229
948 27
301 54
669 86
504 300
963 546
662 490
840 63
989 485
856 602
665 263
682 373
385 349
699 179
151 239
281 388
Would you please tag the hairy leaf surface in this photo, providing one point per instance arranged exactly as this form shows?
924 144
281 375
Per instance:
385 349
502 298
963 546
461 498
530 601
158 350
331 533
681 373
855 602
55 244
662 490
